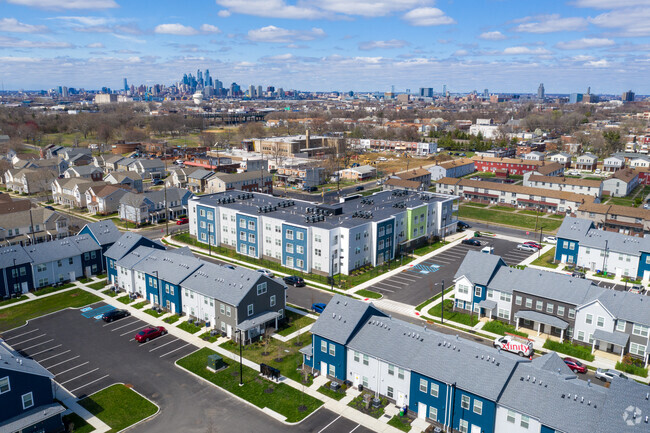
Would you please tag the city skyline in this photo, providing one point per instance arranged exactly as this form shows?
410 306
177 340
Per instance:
504 46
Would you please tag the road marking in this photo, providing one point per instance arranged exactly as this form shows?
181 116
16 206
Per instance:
130 331
124 326
174 350
70 369
407 278
380 283
43 351
54 356
36 345
152 340
89 383
20 335
358 425
29 339
163 345
382 289
132 339
62 362
81 375
325 428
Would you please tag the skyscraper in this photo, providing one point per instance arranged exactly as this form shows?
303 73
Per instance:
426 92
628 96
540 91
444 89
259 91
126 86
207 81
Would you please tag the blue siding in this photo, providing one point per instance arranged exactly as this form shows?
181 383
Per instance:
297 245
564 246
111 272
171 293
86 231
644 264
483 295
417 396
385 234
244 245
485 420
338 359
545 429
21 383
151 284
203 234
90 259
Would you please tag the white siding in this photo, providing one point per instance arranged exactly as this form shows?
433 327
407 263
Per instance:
502 424
596 310
377 373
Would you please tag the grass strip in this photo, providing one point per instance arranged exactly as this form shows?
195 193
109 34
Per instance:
118 406
369 294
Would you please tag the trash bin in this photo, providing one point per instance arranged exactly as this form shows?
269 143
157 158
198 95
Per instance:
360 387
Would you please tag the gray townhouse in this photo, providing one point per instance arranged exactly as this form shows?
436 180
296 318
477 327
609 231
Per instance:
152 206
125 178
32 226
105 233
148 168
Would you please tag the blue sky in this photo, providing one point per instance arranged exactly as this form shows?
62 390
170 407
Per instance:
361 45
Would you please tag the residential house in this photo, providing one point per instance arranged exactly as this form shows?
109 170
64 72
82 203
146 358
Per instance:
640 162
361 173
124 245
248 181
130 179
57 165
72 191
154 206
147 168
622 183
28 180
8 204
578 186
99 161
197 181
534 156
587 162
301 175
613 163
85 171
454 168
561 158
27 395
179 177
76 156
15 272
105 233
394 183
628 220
111 163
32 226
123 164
420 175
104 199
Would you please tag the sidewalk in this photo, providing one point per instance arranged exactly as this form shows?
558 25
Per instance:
32 297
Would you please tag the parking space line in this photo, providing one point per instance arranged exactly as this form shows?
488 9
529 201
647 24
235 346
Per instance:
174 350
53 356
152 340
128 332
358 425
36 345
124 326
81 375
20 335
62 362
43 351
409 278
70 369
382 289
325 428
113 323
89 383
382 283
25 341
163 345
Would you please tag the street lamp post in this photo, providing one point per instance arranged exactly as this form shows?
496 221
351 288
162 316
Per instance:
241 364
442 300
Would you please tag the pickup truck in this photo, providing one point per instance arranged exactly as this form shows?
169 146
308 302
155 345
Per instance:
515 344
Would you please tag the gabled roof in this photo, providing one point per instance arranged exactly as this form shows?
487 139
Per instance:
12 360
574 228
624 399
46 252
120 176
11 253
201 174
582 231
479 267
169 267
127 243
105 231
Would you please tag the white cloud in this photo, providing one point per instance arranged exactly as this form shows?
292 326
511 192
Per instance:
270 9
427 17
84 21
460 53
224 13
598 63
280 35
582 58
67 4
492 36
12 25
609 4
374 45
583 43
8 42
630 22
19 60
551 23
368 8
95 45
279 58
175 29
209 28
515 51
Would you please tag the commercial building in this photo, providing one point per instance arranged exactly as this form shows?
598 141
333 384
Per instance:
323 239
296 145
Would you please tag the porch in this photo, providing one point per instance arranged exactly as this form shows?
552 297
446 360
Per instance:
541 323
609 345
256 325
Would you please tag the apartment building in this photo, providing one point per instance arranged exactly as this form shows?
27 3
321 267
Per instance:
561 158
517 166
454 168
324 239
633 221
622 183
246 181
32 226
587 162
568 184
72 191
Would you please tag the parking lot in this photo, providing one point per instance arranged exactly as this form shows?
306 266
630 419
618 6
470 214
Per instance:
416 284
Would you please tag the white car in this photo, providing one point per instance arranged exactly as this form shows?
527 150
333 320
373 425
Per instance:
266 272
550 239
598 171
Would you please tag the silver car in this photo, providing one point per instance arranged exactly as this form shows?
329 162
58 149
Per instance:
607 374
523 247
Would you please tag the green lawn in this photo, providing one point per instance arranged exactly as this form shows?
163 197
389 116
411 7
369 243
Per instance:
154 313
453 316
369 294
428 301
293 323
285 356
76 424
401 422
531 212
546 260
13 300
503 208
475 204
507 218
567 348
279 397
326 390
497 327
621 201
126 299
207 337
119 407
172 319
189 327
429 248
360 405
110 293
50 289
97 286
17 315
140 304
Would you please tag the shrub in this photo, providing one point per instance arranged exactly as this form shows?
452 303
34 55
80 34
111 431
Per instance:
567 348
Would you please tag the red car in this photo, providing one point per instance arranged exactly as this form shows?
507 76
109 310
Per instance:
150 333
575 365
533 244
182 221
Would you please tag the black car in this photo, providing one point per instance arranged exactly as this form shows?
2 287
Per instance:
157 182
473 242
578 274
294 280
48 207
360 188
310 189
463 225
115 315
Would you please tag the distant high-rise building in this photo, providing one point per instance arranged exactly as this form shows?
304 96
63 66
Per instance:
126 86
486 93
235 89
259 91
574 98
64 92
280 92
540 91
426 92
628 96
251 91
270 89
207 80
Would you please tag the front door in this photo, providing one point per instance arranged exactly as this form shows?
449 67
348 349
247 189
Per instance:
229 331
357 380
153 298
422 411
323 368
400 399
476 429
25 287
173 307
563 259
72 276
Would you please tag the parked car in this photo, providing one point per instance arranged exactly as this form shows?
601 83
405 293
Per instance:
381 158
156 182
360 188
115 315
48 207
578 274
515 344
294 280
533 244
639 290
524 247
309 189
266 272
575 365
550 239
607 374
463 225
318 307
182 221
598 171
150 333
472 242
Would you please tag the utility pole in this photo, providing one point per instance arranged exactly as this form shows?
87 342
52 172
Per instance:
165 189
442 303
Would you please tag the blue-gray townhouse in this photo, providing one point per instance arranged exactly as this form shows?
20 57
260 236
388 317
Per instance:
105 233
16 270
124 245
27 401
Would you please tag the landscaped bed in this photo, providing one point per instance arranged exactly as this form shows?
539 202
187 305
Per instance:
567 348
49 289
172 319
140 304
154 313
401 422
497 327
110 293
632 366
209 338
279 397
76 424
360 404
336 395
118 406
294 322
126 299
189 327
369 294
97 286
451 315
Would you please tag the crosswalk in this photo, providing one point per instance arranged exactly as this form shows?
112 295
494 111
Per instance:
425 269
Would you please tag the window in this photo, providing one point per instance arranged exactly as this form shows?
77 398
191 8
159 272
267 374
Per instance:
289 248
365 360
600 322
5 386
242 236
250 310
637 349
290 234
463 289
518 300
433 413
332 349
550 308
356 357
463 426
434 389
202 212
507 297
300 236
332 369
317 252
242 223
400 373
620 325
261 289
589 319
300 249
640 330
317 238
478 407
251 225
389 392
251 238
525 421
477 291
323 346
28 400
529 303
539 305
503 314
391 368
511 417
364 381
464 401
560 310
581 335
424 385
572 313
272 301
228 311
